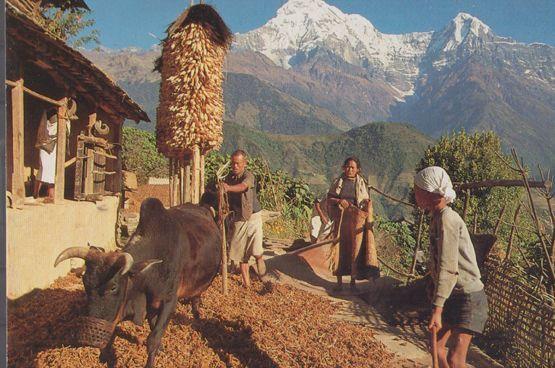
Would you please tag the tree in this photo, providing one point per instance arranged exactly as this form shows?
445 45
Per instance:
475 157
141 156
71 24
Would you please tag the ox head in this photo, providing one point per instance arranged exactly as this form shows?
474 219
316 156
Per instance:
108 280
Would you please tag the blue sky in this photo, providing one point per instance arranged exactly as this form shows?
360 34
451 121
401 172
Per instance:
124 23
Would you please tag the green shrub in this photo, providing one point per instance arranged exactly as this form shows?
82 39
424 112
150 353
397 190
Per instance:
141 156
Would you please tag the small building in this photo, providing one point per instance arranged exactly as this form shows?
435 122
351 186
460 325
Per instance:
42 72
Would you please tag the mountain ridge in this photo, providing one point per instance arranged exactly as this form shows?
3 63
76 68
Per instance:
460 76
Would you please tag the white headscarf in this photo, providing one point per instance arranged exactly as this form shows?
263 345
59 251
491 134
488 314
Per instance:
434 179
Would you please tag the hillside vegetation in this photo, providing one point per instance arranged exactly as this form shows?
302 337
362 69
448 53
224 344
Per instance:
388 153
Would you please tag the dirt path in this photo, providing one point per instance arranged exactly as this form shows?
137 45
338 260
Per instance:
408 343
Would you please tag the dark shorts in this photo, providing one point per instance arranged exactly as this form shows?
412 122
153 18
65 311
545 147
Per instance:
468 311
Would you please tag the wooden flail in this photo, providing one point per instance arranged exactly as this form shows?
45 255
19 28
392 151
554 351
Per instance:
190 113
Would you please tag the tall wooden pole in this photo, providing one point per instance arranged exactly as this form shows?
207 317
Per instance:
202 184
18 145
188 181
195 180
181 180
59 185
176 194
170 174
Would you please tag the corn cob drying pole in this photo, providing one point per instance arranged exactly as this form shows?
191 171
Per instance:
190 113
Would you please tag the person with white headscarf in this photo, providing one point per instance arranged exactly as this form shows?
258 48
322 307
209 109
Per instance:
459 302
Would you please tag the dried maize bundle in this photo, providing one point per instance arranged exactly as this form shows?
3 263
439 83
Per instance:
191 106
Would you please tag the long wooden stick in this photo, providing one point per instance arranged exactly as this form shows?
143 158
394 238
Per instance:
522 171
391 197
315 245
224 257
511 236
435 358
417 245
499 219
500 183
222 214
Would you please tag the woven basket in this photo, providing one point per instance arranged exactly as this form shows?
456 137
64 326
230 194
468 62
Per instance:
94 332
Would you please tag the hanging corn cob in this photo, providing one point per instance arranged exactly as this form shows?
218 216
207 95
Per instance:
191 108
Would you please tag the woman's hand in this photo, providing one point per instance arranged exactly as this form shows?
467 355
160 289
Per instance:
343 203
435 320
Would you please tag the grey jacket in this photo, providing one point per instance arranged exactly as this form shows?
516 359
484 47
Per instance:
452 258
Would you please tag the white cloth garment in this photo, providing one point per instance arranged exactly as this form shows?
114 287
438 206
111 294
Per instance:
47 169
317 228
434 179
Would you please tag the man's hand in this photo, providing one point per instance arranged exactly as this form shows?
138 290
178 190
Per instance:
343 203
225 187
435 320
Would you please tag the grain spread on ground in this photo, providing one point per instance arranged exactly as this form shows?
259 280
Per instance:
269 325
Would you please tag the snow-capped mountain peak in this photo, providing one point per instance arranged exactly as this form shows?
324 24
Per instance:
303 31
301 26
461 27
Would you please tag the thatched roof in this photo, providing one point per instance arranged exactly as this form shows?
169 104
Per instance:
26 37
205 16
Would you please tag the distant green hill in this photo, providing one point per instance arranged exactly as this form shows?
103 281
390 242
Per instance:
388 153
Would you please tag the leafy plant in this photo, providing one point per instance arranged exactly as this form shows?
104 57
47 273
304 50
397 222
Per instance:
72 25
141 156
476 157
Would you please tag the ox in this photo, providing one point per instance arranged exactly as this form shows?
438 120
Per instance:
174 254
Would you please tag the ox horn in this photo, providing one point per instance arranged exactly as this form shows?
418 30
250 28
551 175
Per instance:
72 252
128 262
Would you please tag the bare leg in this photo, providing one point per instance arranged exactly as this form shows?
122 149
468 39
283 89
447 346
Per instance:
442 338
245 274
36 188
339 285
51 191
457 354
260 265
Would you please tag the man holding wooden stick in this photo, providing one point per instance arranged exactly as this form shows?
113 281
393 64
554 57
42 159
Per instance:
246 240
460 305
